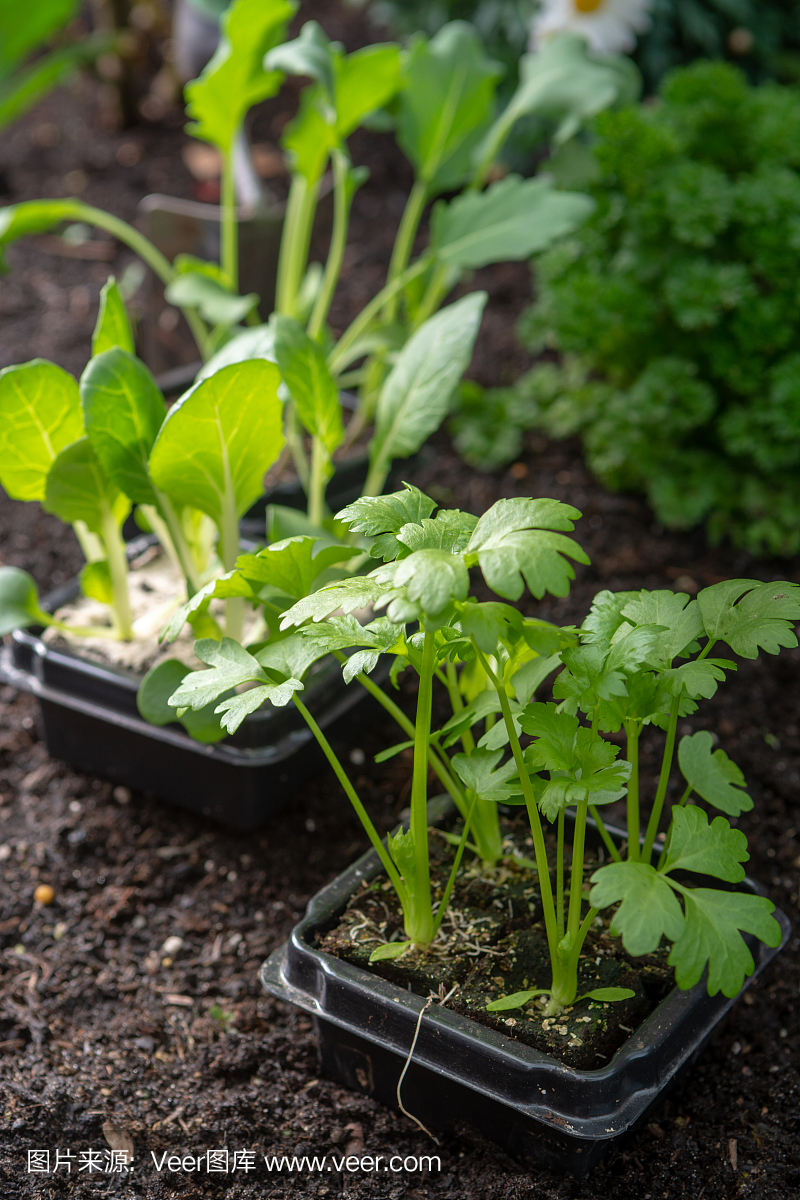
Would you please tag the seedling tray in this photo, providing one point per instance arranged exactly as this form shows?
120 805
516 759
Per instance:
541 1112
91 721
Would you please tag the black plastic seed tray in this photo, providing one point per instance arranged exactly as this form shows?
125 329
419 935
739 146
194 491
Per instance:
541 1112
91 721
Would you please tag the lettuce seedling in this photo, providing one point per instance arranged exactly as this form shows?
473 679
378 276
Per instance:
89 450
640 658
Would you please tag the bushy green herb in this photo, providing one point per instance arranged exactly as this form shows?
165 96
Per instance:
640 658
677 311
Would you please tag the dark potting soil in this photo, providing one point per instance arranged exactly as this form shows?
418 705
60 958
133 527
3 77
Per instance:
176 1045
493 943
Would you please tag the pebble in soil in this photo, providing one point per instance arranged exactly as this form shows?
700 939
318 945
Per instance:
492 943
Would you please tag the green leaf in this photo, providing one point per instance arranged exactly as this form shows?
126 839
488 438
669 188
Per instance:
96 582
235 78
430 578
219 440
291 566
19 601
349 595
711 935
216 303
480 772
113 327
343 633
582 763
490 623
373 515
256 342
389 950
403 851
561 82
446 98
23 29
512 547
160 682
515 1000
698 678
415 398
365 81
588 680
40 414
225 586
761 620
123 410
607 995
349 88
234 710
713 849
392 752
231 665
450 532
78 488
290 656
712 775
649 909
28 84
681 620
527 679
508 222
305 372
605 616
485 703
310 54
34 216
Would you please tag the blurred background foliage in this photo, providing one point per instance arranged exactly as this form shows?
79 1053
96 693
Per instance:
676 309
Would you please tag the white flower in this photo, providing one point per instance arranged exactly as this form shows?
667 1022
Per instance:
609 26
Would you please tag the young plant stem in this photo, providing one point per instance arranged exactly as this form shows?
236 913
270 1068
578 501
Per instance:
681 804
229 552
318 481
229 249
338 358
404 242
352 795
560 873
294 440
633 729
437 760
576 876
420 925
181 546
486 819
489 151
89 542
435 292
342 198
445 900
118 570
540 850
608 841
666 766
149 254
295 241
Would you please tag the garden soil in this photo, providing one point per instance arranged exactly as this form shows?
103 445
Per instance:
130 1007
